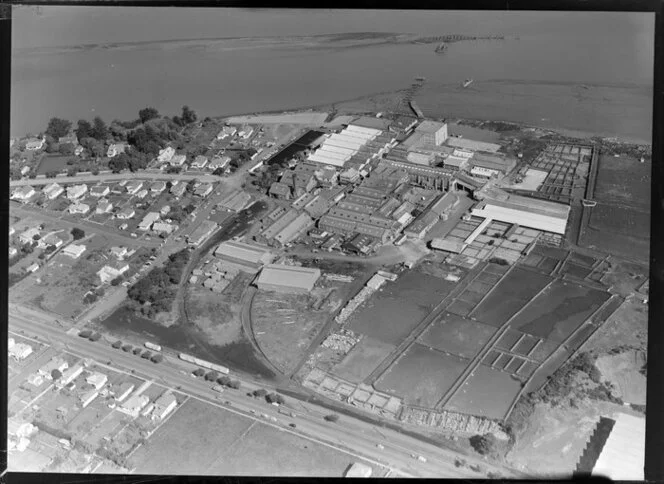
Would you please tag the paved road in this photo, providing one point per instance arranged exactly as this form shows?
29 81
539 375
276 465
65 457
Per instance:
351 435
140 175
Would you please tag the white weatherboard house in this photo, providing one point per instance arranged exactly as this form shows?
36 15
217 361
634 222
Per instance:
74 250
76 191
166 154
23 193
115 149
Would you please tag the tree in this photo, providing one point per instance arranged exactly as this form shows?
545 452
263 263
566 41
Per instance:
260 393
56 374
58 127
99 129
234 384
483 444
127 348
173 170
199 372
333 417
157 358
224 380
147 114
116 281
95 171
52 147
211 376
84 130
146 355
77 233
119 163
138 350
72 171
117 344
51 174
86 333
188 115
218 171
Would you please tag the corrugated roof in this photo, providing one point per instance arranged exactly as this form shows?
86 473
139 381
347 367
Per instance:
521 217
454 246
289 276
243 251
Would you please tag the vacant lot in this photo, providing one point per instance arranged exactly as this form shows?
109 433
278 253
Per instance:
392 313
53 163
623 371
624 181
621 220
422 375
217 315
456 335
558 311
617 244
486 392
363 359
266 451
204 430
285 325
512 293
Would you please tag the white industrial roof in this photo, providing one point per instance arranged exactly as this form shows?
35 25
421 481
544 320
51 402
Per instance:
623 455
326 160
356 134
361 129
339 149
521 217
344 143
289 276
242 251
478 170
352 136
323 151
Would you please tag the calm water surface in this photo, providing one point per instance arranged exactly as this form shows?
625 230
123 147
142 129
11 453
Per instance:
602 50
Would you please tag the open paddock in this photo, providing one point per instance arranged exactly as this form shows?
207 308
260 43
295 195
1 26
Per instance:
575 270
362 359
421 376
512 293
621 220
397 308
456 335
461 308
266 451
559 310
623 180
486 392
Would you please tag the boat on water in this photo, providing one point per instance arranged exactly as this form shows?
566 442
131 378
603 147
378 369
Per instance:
467 82
442 47
420 79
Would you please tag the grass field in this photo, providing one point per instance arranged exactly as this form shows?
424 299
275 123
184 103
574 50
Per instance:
617 244
456 335
421 376
621 220
392 313
53 163
511 294
486 392
362 359
213 313
624 181
266 451
203 430
558 311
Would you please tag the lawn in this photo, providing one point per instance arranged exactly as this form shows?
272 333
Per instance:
205 431
53 163
363 359
486 392
456 335
558 311
421 376
266 451
392 313
512 293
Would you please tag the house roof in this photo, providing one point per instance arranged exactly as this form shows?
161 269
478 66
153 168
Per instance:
278 188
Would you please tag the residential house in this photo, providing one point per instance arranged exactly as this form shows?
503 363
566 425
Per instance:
119 252
164 405
100 190
148 220
133 186
108 273
56 363
350 175
104 206
178 190
126 213
34 144
68 139
13 251
134 405
227 131
201 233
97 380
158 186
280 190
88 397
28 236
123 391
203 190
51 239
327 177
20 351
78 208
118 189
23 193
246 132
165 210
78 151
115 149
199 162
53 191
25 170
76 191
32 268
166 154
142 194
74 250
11 231
219 162
178 160
163 227
70 375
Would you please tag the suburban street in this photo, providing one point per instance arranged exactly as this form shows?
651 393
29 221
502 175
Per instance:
139 175
348 434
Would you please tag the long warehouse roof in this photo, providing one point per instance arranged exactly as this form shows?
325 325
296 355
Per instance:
521 217
326 160
362 129
289 276
344 143
332 154
243 251
339 149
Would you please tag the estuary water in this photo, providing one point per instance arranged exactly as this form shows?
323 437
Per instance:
590 72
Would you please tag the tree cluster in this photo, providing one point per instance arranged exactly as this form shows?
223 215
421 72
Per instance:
275 398
97 130
483 444
77 233
188 116
57 128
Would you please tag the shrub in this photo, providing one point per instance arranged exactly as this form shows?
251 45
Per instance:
235 384
157 358
499 261
147 355
459 462
127 348
211 376
137 350
483 444
260 393
95 337
86 333
224 380
117 344
333 417
199 372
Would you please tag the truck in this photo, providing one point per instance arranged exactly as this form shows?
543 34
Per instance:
203 363
152 346
286 412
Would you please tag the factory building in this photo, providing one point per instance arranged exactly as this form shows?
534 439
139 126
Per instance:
339 148
294 230
287 279
497 163
471 145
245 257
